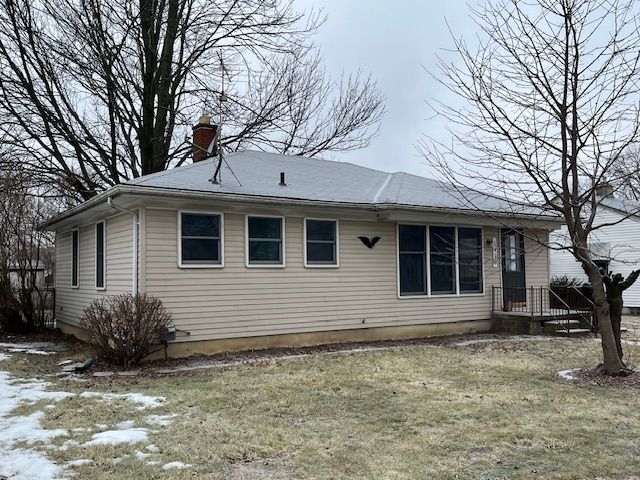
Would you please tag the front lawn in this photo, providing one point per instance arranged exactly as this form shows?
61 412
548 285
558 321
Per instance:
486 410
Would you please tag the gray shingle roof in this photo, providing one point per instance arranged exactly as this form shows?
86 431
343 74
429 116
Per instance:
629 207
312 179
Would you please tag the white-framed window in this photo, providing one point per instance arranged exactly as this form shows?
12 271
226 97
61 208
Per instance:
75 258
200 239
264 244
101 255
439 260
321 242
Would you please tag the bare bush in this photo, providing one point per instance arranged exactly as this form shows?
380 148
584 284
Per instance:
123 328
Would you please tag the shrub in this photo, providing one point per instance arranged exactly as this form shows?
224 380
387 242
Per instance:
11 321
565 281
123 328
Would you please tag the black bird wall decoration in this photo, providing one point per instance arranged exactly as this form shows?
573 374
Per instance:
369 242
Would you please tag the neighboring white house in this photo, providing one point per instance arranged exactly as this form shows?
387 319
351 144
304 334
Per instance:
288 250
615 246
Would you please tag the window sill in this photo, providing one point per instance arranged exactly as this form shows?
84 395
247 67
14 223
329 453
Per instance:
320 265
202 265
266 265
442 295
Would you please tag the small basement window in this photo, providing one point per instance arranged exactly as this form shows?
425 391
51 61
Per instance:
201 239
321 242
265 241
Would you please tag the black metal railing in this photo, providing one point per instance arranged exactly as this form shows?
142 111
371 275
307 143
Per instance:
545 302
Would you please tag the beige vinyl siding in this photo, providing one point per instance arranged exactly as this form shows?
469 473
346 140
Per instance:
536 258
71 302
236 301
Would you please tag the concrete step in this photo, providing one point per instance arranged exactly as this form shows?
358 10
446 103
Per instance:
573 332
551 326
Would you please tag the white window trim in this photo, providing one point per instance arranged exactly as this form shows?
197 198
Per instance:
179 241
77 285
428 261
246 242
104 255
304 245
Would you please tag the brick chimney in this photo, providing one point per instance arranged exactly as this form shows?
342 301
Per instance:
204 135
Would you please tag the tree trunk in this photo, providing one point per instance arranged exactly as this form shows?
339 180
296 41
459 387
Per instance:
612 362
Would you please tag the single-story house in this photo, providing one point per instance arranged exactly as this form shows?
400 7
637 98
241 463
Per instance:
286 250
614 246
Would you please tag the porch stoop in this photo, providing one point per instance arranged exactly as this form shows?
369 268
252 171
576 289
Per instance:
545 323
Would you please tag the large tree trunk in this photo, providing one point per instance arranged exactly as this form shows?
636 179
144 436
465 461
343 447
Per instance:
612 362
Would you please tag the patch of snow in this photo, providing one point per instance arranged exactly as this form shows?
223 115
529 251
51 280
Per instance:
568 374
21 464
80 462
4 356
24 463
65 362
69 443
175 466
80 429
140 455
477 341
102 426
34 348
152 448
153 462
144 401
160 420
126 425
116 437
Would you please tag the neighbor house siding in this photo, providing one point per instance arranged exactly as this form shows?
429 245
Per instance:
619 240
236 301
71 302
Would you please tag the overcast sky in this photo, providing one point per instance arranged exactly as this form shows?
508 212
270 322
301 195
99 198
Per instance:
395 42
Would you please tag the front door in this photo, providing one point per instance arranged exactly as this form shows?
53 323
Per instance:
513 275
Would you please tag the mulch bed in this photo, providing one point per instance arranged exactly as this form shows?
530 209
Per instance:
597 377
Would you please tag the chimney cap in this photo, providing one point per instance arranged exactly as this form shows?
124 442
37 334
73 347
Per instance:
604 189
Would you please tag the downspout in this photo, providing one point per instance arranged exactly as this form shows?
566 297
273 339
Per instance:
136 239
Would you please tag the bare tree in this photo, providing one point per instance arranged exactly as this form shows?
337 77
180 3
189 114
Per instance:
550 91
626 173
26 253
95 92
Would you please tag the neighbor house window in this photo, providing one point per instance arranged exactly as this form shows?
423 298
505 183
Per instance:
265 241
412 259
75 257
100 252
470 259
200 239
442 241
436 260
321 242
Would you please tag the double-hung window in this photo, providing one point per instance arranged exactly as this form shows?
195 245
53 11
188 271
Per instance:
201 239
470 260
412 259
75 258
439 260
100 254
321 244
443 260
265 241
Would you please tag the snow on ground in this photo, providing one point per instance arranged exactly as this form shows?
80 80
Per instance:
115 437
25 463
79 462
34 348
568 374
160 420
477 341
175 466
144 401
4 356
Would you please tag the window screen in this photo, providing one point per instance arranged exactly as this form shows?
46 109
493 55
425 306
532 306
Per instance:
470 259
442 245
265 240
200 239
100 255
321 242
75 257
412 259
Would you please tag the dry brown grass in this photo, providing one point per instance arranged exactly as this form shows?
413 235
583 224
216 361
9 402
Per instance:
484 411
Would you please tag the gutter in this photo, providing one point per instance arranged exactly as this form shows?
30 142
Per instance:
200 194
136 240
